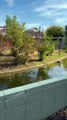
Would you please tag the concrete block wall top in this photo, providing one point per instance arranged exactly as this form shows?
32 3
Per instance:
23 89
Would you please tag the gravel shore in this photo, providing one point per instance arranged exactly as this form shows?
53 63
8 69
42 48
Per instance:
61 115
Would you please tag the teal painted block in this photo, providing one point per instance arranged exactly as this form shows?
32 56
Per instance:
47 108
2 107
48 101
60 98
15 105
61 82
2 103
2 99
33 110
53 84
3 115
14 100
1 95
49 93
33 106
34 94
30 116
16 113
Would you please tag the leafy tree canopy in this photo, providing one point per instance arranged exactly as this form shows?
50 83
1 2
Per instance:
55 31
15 32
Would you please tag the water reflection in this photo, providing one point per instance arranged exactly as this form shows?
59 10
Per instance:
34 75
42 73
65 64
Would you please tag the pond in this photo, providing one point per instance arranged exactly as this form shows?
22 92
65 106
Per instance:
37 74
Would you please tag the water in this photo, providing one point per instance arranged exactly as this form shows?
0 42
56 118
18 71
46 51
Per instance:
42 73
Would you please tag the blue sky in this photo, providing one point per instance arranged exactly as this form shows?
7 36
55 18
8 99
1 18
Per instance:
35 13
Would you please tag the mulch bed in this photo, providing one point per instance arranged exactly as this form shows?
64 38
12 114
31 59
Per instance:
61 115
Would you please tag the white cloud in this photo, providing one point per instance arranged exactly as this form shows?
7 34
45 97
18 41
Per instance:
10 2
53 11
61 21
30 25
52 8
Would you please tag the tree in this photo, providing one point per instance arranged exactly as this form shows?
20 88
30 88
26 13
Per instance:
28 44
1 37
46 48
55 31
15 32
1 41
66 38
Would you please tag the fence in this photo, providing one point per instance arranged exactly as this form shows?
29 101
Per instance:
34 101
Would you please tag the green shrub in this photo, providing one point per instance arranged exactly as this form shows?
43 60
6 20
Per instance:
14 52
65 49
20 60
41 54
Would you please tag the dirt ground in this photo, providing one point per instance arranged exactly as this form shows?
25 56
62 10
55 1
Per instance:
61 115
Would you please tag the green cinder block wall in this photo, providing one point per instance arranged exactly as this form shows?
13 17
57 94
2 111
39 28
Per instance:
34 101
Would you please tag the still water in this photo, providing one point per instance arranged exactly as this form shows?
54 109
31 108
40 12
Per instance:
37 74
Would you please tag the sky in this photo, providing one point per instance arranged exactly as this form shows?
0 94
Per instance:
35 13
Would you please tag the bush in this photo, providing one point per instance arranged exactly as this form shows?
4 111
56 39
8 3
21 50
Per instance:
65 49
41 54
20 60
14 52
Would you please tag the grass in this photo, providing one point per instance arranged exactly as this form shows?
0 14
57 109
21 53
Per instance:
5 59
55 56
7 51
30 65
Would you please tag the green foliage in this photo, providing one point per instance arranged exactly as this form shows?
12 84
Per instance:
55 31
42 73
28 44
65 48
14 52
47 47
15 31
1 37
49 44
65 38
66 30
41 53
21 59
22 42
